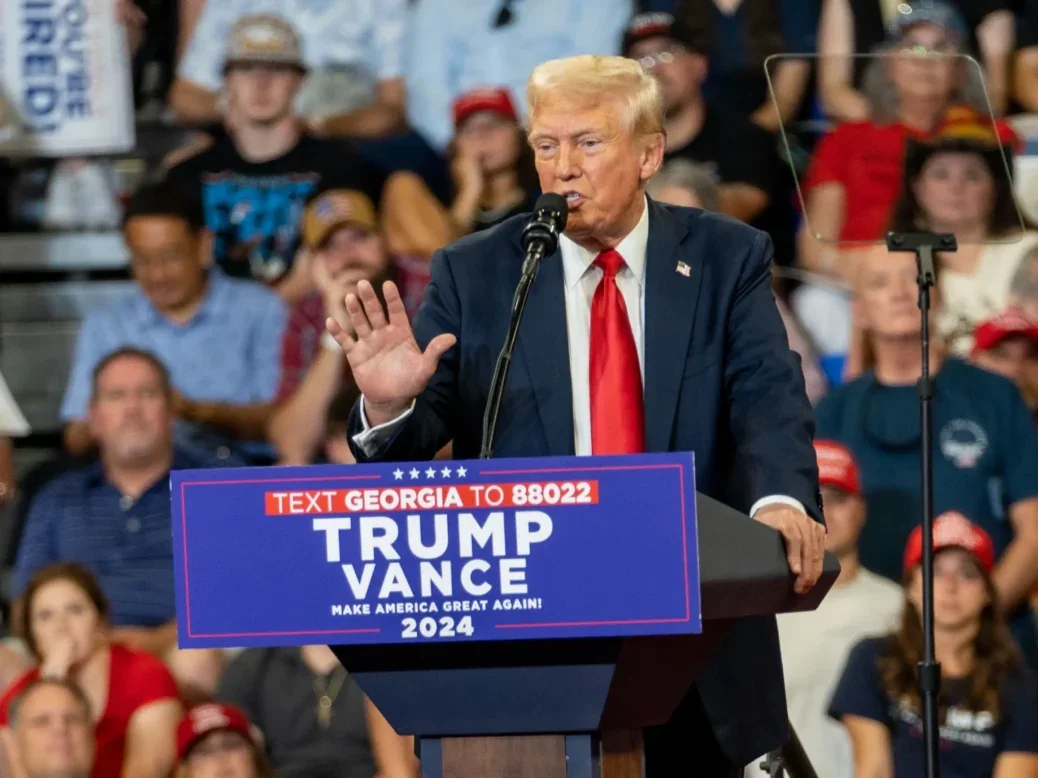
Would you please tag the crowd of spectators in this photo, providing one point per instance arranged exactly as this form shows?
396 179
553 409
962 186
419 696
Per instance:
333 141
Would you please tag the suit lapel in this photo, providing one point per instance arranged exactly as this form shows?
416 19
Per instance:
670 306
544 347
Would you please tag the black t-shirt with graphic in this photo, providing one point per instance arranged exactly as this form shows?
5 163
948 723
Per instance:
971 741
254 209
737 151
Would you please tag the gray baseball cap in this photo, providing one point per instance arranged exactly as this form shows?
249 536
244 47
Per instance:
264 39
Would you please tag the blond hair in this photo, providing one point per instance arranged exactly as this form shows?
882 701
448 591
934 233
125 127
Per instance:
590 79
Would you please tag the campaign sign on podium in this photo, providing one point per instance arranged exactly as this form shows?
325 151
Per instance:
481 550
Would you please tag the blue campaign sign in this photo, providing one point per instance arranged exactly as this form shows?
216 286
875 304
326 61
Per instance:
501 549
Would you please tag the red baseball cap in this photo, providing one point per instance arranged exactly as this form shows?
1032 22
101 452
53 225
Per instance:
201 720
1007 324
952 530
496 99
836 466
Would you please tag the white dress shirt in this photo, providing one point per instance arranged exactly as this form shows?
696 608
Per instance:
582 276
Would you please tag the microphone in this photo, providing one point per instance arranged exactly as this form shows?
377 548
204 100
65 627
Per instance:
540 240
541 235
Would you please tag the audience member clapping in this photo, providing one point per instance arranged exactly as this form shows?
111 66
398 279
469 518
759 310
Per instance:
133 698
985 447
50 731
850 27
988 703
219 337
1007 344
256 175
340 231
311 712
815 644
957 182
114 515
354 50
856 173
215 740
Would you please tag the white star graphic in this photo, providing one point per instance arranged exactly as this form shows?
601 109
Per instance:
461 471
413 473
446 472
430 473
398 474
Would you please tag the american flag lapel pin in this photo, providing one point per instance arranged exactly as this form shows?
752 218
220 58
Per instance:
684 269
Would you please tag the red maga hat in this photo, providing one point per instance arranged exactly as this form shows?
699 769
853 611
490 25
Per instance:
210 717
496 99
952 530
836 466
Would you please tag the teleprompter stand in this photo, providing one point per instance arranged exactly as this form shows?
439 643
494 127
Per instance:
923 245
575 708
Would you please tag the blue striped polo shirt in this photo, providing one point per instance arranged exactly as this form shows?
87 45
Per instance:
128 544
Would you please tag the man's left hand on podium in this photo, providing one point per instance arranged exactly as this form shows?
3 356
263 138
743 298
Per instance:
805 542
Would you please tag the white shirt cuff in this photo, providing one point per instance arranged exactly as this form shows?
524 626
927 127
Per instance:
774 499
371 438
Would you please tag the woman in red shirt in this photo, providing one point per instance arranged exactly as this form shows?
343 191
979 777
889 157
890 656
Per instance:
857 169
132 694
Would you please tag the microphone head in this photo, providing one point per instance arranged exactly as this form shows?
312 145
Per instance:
547 223
555 204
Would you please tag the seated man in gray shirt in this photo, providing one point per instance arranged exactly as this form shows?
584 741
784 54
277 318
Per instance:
310 711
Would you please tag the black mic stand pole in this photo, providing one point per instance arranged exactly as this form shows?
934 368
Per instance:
531 265
923 245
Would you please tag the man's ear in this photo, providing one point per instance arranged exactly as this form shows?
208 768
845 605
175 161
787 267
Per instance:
91 420
652 155
205 247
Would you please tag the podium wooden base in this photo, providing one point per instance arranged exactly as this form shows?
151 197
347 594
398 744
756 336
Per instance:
615 754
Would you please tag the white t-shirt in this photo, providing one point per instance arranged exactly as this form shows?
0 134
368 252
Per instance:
969 299
363 38
815 646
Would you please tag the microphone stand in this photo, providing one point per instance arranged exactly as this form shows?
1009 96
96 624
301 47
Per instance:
791 760
923 245
531 265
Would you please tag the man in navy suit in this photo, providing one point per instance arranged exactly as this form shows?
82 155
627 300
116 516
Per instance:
652 328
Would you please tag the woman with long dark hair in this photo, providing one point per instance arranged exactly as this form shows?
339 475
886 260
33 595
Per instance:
958 183
988 704
133 696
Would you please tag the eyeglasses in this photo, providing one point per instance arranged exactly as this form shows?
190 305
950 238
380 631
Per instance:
910 49
665 57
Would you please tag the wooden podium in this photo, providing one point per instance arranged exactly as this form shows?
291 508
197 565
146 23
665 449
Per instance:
575 708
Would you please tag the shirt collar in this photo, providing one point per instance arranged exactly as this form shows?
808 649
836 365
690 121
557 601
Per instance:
633 248
214 297
183 459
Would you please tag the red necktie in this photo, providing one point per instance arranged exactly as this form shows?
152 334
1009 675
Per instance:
617 408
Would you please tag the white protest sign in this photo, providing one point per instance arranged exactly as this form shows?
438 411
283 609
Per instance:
65 78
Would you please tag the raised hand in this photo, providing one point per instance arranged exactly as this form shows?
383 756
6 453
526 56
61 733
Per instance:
59 658
388 366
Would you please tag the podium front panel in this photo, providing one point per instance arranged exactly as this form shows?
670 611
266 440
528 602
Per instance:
445 552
